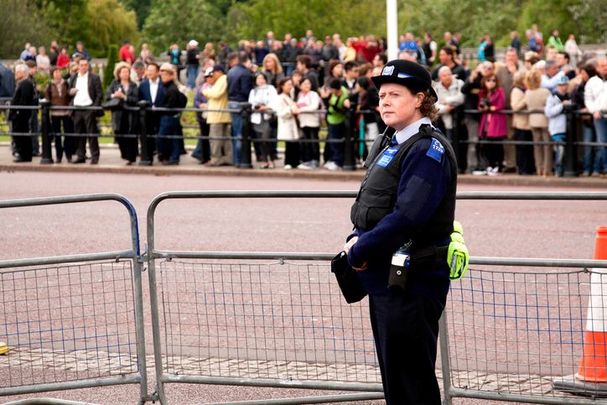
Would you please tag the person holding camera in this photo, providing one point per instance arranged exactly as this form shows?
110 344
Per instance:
493 126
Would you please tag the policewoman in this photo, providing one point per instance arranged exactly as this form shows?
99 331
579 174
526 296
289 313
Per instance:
403 217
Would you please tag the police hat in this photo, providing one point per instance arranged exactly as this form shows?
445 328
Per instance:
406 73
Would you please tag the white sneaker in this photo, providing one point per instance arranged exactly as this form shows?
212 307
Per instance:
288 167
493 171
479 172
305 166
332 166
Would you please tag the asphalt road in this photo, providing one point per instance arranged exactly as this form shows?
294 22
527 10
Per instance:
492 228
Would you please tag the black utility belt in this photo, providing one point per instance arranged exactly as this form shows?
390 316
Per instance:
403 262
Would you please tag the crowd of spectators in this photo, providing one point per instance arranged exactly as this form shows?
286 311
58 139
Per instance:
294 87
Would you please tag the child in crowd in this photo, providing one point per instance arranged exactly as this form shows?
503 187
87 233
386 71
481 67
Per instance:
336 119
555 108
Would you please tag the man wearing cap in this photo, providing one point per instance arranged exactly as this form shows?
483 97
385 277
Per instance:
406 203
169 142
218 119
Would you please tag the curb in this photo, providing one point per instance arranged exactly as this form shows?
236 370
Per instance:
509 180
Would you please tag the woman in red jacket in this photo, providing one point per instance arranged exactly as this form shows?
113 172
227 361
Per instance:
494 125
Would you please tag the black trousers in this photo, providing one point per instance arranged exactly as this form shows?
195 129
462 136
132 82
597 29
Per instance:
57 122
405 328
525 162
23 141
85 123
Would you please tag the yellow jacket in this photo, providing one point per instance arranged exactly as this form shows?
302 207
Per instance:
217 96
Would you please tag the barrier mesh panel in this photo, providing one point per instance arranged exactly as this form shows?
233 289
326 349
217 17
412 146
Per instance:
66 323
262 320
514 332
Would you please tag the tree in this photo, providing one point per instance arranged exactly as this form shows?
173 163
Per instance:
109 23
253 19
30 26
112 59
141 9
181 20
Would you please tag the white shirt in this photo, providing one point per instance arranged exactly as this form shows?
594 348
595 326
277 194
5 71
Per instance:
451 96
410 130
154 89
595 94
82 97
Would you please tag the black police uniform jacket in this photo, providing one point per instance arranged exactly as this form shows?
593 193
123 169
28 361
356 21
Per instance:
407 194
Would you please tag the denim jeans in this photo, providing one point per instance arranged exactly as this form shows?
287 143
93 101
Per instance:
592 154
559 153
236 131
336 150
192 73
601 133
169 141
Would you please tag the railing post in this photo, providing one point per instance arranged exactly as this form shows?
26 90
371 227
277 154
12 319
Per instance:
245 151
47 157
459 159
145 159
348 143
570 149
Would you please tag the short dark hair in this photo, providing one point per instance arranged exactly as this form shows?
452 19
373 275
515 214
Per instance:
305 60
350 65
448 50
383 57
335 84
154 64
138 64
243 58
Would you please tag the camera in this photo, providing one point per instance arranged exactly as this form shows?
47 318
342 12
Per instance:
485 103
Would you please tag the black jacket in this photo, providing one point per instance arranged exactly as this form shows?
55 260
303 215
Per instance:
95 90
25 94
124 121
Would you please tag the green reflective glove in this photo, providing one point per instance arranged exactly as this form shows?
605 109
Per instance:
457 254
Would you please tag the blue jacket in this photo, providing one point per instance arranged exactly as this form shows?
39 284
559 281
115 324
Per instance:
240 83
145 93
424 182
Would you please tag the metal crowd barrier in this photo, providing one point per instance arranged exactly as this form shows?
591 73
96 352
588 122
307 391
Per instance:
513 327
72 321
276 319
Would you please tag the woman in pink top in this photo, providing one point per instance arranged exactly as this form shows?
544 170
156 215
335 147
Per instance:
493 126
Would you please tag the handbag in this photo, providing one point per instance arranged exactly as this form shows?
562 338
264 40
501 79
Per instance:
112 104
348 281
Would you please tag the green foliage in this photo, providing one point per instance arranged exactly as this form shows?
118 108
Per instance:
472 18
109 23
112 59
99 23
141 9
66 19
181 20
253 19
30 26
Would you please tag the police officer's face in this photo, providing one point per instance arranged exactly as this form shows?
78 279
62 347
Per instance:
398 106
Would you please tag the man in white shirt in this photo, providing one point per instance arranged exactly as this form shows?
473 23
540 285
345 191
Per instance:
152 91
595 98
85 88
